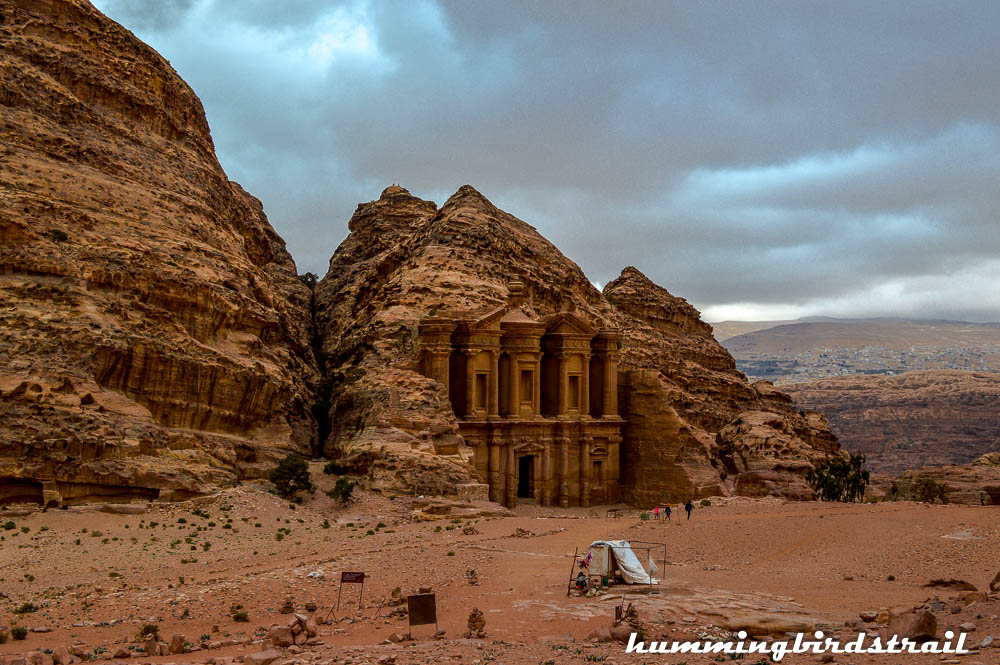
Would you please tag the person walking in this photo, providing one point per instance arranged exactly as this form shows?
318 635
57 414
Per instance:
688 507
666 511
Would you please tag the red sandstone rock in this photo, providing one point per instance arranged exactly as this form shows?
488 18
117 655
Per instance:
694 426
155 335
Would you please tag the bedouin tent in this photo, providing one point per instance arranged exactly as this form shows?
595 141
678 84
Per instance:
611 555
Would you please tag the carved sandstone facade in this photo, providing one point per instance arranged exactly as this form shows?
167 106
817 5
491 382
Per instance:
537 401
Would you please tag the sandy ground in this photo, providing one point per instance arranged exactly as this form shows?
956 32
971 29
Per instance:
98 577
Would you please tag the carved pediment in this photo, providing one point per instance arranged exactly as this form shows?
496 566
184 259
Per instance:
565 323
528 447
490 320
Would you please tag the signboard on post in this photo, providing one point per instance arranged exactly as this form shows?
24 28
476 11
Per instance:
421 609
351 578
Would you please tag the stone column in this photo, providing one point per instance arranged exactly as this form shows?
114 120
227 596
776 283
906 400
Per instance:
614 446
514 387
539 480
610 387
585 386
470 382
493 399
563 471
585 442
536 393
546 471
437 365
563 383
495 480
511 501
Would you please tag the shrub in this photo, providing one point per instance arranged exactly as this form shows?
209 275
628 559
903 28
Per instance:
291 476
149 630
9 526
19 632
25 608
4 636
839 479
705 503
342 491
58 236
309 279
241 616
925 490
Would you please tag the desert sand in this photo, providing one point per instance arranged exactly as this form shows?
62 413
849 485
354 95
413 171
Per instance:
766 565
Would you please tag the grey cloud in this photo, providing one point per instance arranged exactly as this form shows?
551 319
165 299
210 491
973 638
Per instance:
800 154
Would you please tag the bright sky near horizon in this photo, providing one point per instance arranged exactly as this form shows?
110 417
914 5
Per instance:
763 160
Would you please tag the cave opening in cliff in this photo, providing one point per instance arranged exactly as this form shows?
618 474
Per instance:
526 476
17 490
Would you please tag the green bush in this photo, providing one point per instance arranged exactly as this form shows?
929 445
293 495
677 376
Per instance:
705 503
26 608
291 476
241 616
342 490
924 490
19 632
149 630
57 236
839 479
9 526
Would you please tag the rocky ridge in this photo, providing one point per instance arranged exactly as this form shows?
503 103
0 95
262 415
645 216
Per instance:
696 427
156 341
915 419
153 332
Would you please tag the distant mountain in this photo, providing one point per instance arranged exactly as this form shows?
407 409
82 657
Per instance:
917 419
817 349
723 330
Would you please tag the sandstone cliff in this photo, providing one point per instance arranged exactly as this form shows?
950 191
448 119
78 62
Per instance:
911 420
153 333
696 427
971 484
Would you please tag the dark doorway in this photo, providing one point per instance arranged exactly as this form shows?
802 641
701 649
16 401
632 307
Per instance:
525 475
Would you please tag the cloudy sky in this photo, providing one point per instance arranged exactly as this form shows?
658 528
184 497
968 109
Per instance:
764 160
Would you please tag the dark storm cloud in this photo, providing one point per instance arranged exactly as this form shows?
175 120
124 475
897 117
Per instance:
761 159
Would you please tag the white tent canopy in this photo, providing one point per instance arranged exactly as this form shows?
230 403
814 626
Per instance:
609 555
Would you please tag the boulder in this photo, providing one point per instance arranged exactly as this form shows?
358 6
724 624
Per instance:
262 657
177 643
621 633
281 636
918 626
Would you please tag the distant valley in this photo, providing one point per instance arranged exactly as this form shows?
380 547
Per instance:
907 393
820 348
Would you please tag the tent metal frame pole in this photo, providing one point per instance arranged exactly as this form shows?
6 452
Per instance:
569 587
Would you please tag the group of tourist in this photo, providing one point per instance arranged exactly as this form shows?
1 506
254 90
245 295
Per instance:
667 510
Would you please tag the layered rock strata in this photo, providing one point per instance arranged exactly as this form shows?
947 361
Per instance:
911 420
153 333
694 425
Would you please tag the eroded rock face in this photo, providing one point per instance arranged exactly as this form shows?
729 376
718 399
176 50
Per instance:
695 425
971 484
153 333
915 419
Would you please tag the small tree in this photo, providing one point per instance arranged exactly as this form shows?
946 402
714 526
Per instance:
291 476
839 479
924 490
342 490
